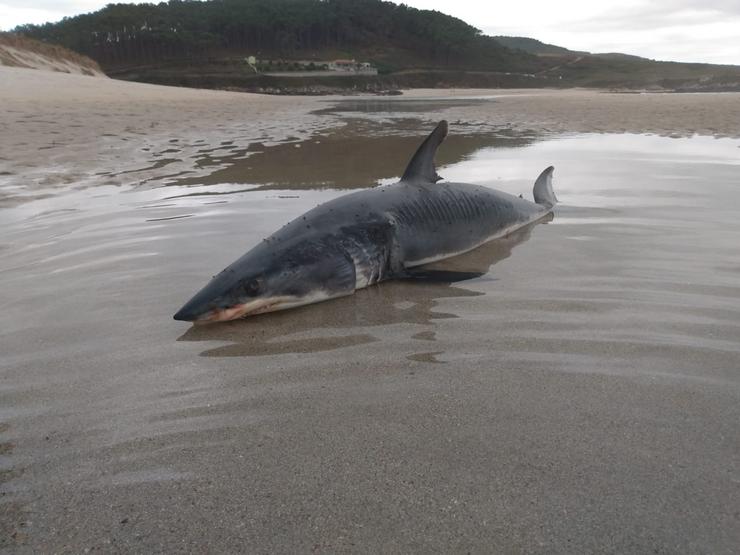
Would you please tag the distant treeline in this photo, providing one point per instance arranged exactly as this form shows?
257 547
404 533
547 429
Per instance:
129 34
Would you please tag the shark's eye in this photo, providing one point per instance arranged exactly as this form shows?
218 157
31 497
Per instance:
252 287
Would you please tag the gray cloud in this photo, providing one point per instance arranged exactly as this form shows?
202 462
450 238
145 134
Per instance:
680 30
62 6
669 14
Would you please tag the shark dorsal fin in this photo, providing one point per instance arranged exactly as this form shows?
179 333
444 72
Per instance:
421 167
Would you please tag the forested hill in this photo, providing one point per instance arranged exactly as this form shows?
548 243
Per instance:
390 35
206 44
534 46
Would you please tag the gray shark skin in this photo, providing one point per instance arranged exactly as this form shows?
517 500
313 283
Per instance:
366 237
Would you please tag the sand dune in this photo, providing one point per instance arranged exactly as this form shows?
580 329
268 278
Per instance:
18 51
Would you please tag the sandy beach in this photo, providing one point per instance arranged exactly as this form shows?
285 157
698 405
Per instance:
582 396
92 131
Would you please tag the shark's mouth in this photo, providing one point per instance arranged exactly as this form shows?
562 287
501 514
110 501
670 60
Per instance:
260 306
257 306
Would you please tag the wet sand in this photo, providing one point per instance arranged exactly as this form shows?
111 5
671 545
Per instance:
585 111
582 395
90 131
68 131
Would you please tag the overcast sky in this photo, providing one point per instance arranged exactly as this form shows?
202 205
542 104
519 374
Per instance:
681 30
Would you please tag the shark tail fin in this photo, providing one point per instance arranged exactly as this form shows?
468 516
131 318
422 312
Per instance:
543 193
421 167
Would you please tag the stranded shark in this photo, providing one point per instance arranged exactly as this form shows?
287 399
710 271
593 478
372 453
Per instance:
366 237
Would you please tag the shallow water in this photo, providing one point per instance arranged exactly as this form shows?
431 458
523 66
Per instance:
590 378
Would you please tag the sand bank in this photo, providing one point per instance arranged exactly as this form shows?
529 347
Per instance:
590 111
24 52
62 130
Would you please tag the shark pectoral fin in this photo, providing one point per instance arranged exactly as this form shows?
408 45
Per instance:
421 167
438 276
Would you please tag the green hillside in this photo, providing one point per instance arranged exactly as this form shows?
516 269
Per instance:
534 46
206 43
393 36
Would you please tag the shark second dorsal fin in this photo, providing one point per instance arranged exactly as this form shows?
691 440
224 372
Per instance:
421 167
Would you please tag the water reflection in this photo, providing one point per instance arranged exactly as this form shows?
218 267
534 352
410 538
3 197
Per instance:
395 106
349 321
356 156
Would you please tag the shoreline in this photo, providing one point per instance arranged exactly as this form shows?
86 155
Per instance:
63 129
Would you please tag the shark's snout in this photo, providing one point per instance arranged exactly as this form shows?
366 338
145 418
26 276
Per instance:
190 313
199 308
